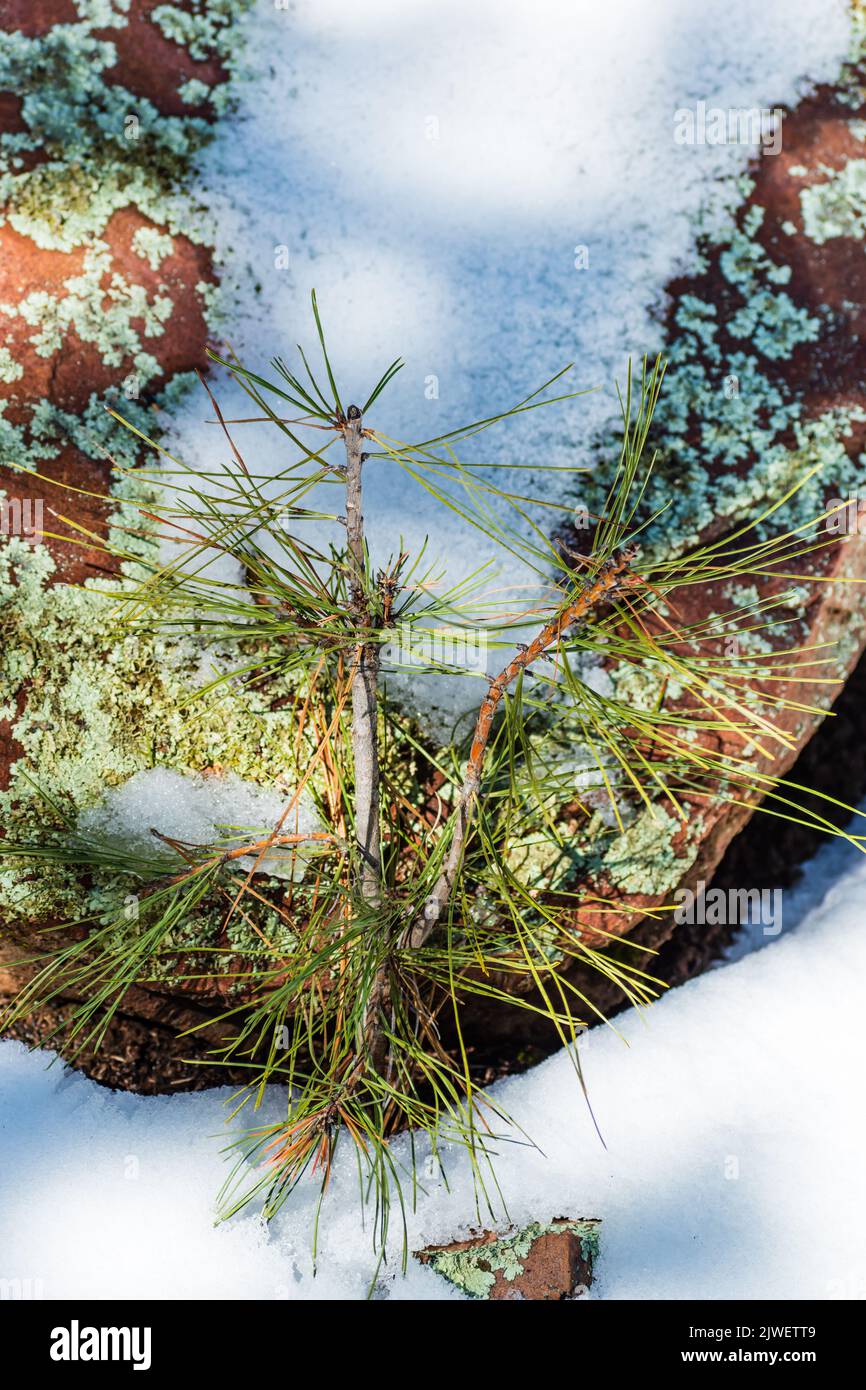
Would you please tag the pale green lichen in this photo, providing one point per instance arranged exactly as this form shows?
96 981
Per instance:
746 614
723 407
88 704
202 29
473 1270
61 206
152 245
95 432
836 207
10 370
775 324
641 685
98 704
643 859
101 149
194 92
103 14
103 309
720 410
77 117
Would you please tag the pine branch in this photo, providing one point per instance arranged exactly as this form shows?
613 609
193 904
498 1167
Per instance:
612 577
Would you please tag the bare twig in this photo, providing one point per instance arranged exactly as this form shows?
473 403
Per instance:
613 576
258 848
365 739
365 736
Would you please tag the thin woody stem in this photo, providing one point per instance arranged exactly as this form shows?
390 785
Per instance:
365 739
258 847
612 577
365 736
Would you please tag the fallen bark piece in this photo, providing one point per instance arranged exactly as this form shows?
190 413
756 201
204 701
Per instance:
540 1262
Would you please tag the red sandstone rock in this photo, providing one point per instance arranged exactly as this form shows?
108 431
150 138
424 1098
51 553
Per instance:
35 17
69 376
557 1266
153 66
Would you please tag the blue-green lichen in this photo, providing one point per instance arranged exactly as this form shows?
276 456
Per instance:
90 148
837 206
473 1268
204 28
90 704
723 406
642 859
103 309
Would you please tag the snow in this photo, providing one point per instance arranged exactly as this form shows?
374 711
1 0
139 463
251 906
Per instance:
453 243
433 170
200 809
733 1166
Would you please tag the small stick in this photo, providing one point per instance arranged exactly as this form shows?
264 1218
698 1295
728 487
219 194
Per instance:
365 737
365 730
612 576
259 848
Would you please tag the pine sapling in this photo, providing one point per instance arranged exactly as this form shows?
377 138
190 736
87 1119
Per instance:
417 893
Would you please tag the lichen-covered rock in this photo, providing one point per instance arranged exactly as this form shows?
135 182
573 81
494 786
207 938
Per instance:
107 278
89 707
766 381
177 56
542 1262
106 286
106 323
106 299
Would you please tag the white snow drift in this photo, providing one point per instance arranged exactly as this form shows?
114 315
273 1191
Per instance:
733 1167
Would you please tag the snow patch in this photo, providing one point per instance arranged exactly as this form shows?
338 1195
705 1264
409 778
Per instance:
733 1166
217 809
